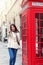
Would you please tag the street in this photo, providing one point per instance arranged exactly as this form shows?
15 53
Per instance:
4 55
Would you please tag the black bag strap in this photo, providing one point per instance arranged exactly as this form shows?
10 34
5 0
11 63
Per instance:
17 39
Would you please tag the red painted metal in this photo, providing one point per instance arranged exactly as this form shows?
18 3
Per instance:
32 34
25 1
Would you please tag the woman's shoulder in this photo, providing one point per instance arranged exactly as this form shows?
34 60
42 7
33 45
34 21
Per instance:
17 33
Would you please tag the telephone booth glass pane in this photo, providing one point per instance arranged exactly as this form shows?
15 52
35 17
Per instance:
39 34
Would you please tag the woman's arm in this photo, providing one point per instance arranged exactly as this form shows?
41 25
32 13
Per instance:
18 34
18 38
9 34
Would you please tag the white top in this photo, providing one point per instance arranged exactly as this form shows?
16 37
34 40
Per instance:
12 40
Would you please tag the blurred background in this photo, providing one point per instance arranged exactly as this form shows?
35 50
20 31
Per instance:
10 12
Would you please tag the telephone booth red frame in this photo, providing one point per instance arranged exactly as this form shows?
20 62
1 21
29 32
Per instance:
32 33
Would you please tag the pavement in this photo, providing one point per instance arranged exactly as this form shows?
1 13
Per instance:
4 55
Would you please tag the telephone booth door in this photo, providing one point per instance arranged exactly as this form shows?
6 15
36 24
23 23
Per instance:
37 35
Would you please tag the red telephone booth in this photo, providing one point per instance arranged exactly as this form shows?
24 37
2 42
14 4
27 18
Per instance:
32 33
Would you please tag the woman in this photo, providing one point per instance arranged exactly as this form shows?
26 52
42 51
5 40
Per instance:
13 43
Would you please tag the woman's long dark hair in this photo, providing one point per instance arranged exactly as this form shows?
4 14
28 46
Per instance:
16 30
